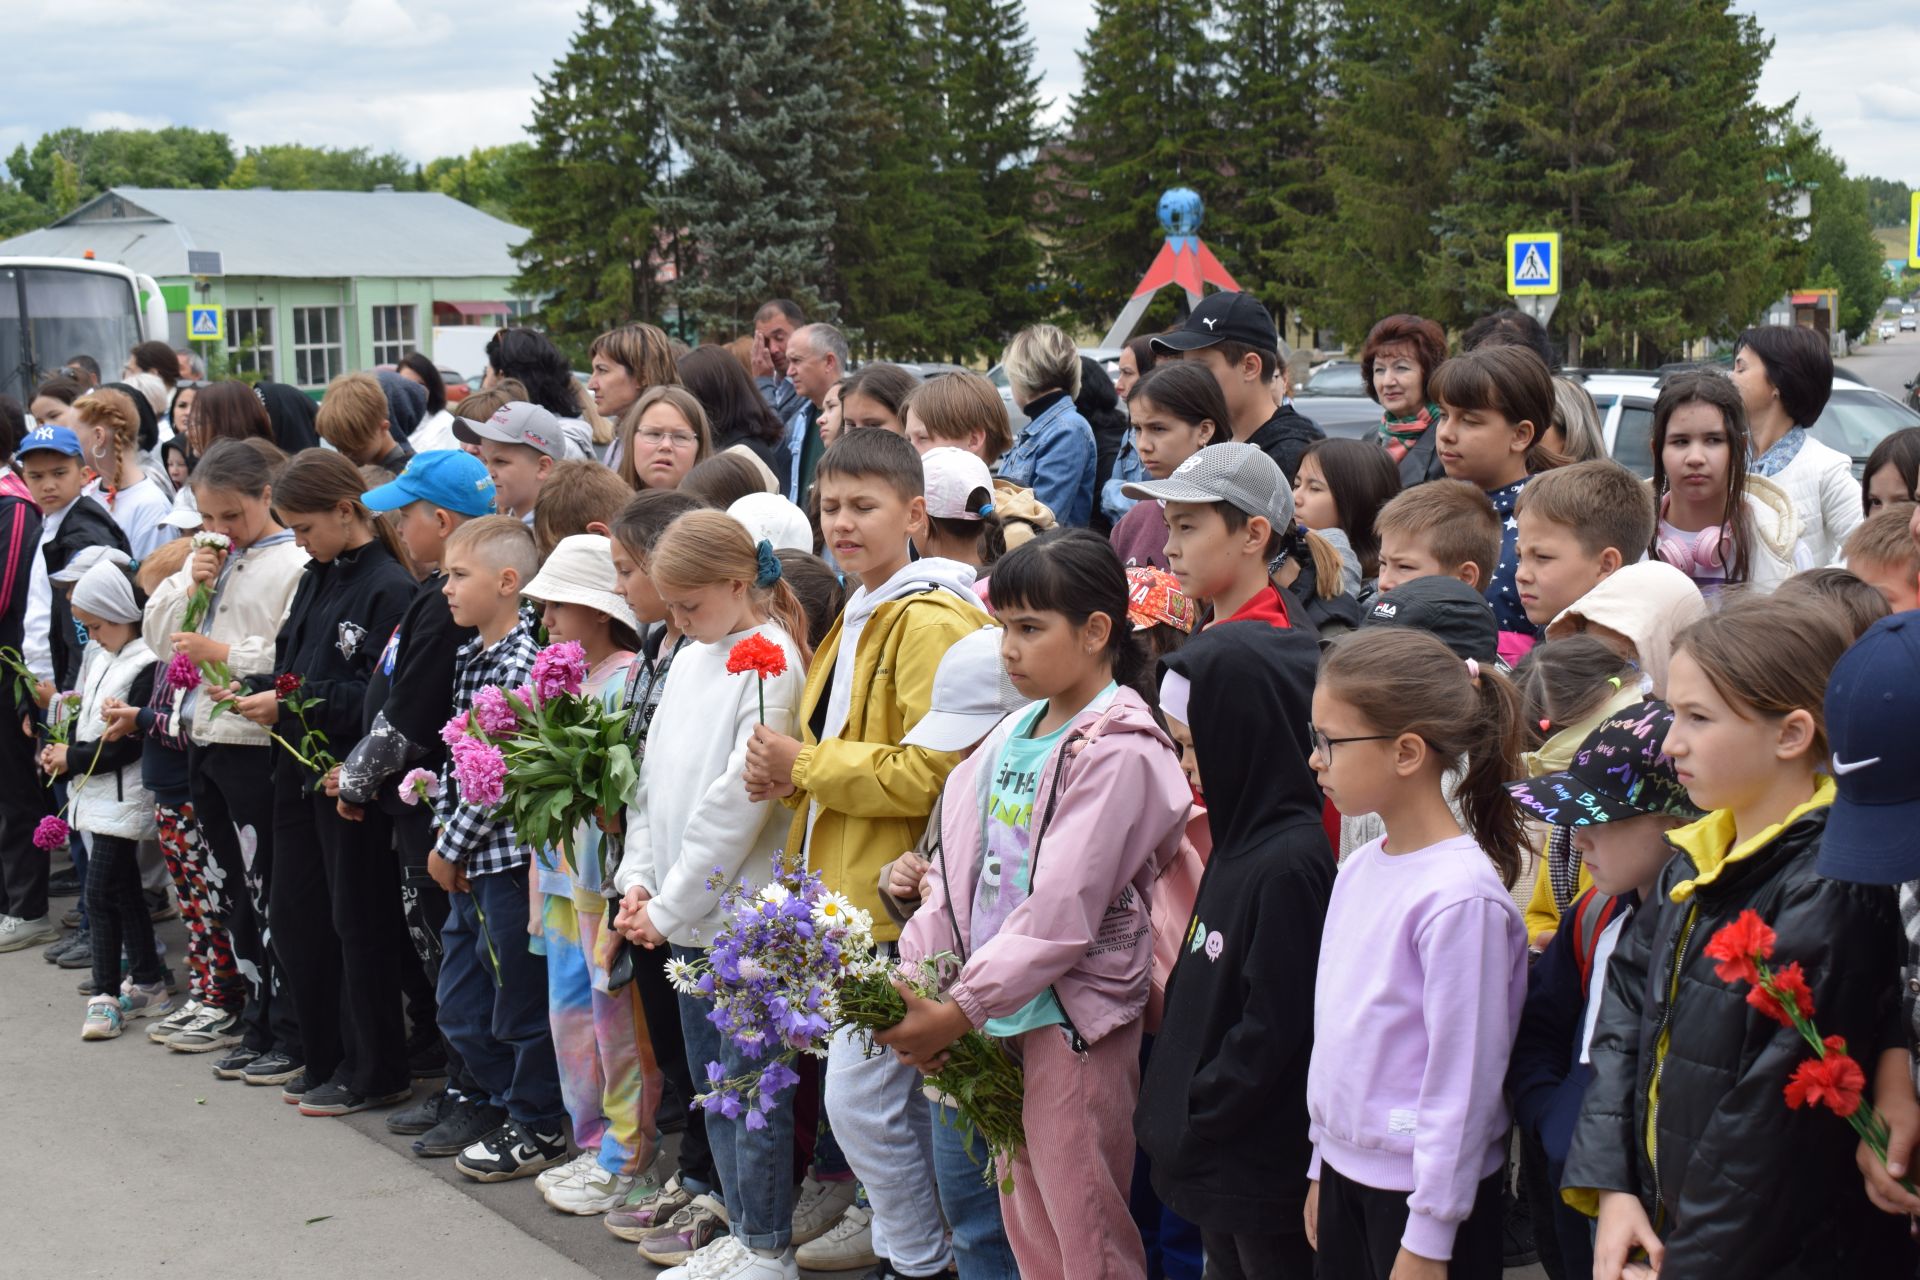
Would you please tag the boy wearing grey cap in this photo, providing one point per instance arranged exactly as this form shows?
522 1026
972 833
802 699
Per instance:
1229 511
520 444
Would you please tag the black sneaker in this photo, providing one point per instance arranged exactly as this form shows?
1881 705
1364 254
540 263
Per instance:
297 1088
65 884
512 1151
429 1062
464 1123
336 1099
234 1061
79 954
1517 1246
423 1115
272 1067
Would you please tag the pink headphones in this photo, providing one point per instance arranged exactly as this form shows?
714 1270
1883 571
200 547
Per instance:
1710 549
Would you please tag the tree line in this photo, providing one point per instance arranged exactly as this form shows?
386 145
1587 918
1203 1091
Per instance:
889 163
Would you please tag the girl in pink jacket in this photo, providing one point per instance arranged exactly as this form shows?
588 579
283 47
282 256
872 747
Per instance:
1051 836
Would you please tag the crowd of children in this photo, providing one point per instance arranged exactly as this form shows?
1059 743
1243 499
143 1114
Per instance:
1393 802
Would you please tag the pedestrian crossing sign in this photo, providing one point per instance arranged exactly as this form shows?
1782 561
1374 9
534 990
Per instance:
1533 263
203 324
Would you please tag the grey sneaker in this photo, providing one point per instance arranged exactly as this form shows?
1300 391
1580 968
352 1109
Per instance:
819 1206
17 935
174 1021
647 1208
686 1232
54 950
77 956
207 1030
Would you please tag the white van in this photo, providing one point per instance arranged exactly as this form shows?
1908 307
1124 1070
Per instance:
52 309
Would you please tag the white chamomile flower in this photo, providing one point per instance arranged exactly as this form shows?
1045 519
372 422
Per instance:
775 893
207 538
683 977
832 910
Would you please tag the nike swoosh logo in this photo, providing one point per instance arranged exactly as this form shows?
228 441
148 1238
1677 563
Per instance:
1841 769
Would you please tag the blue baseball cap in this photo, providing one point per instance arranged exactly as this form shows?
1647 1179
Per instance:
1873 703
449 478
45 438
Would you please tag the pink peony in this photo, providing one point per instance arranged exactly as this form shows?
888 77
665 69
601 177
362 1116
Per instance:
481 771
51 834
454 730
529 695
418 785
183 673
560 668
493 714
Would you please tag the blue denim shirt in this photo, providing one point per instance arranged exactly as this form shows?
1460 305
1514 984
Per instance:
1055 456
1127 469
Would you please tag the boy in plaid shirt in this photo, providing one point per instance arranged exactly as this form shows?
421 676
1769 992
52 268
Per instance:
493 989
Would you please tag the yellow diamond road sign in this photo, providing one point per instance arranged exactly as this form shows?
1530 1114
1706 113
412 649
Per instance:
203 324
1533 263
1913 232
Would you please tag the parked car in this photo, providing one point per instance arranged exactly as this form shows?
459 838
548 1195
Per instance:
1335 378
1908 324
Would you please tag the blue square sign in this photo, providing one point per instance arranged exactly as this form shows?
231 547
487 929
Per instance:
1533 263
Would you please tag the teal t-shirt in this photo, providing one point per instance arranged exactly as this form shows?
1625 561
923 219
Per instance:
1006 873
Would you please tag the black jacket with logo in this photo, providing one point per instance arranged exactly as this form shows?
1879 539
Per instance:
1223 1106
1736 1183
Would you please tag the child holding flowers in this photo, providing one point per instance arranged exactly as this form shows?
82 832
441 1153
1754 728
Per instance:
1685 1137
694 831
1051 836
607 1073
221 611
338 932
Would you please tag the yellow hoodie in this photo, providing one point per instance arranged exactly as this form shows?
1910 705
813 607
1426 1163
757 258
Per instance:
1542 912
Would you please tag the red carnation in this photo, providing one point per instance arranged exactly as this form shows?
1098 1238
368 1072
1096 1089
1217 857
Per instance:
1738 945
1791 984
758 654
285 686
1834 1081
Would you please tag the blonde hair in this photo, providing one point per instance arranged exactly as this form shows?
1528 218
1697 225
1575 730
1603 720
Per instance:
953 406
578 492
498 542
1041 358
162 563
109 408
1770 656
353 414
688 408
706 548
1885 538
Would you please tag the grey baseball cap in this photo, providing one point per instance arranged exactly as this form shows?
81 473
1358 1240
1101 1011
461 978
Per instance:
1239 474
517 422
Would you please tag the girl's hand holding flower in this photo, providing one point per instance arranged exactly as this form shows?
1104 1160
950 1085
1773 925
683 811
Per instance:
922 1038
206 564
53 759
261 708
202 649
122 720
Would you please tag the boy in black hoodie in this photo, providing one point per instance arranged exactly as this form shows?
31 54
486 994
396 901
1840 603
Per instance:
1223 1106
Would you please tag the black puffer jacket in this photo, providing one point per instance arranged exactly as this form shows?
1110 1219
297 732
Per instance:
1739 1186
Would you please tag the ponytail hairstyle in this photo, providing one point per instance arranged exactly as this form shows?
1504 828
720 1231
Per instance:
1715 390
1770 656
1403 680
237 467
1361 477
1564 681
319 480
1075 573
706 548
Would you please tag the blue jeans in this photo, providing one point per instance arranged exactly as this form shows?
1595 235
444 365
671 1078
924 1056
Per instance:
499 1026
755 1165
970 1197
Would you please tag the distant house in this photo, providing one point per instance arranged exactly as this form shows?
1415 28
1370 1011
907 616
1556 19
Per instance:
313 283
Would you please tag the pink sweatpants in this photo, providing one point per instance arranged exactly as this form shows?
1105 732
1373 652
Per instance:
1067 1216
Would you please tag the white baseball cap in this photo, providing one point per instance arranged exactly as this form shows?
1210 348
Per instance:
959 486
769 517
971 694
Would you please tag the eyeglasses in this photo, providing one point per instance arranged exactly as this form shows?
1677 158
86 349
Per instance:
1323 745
678 439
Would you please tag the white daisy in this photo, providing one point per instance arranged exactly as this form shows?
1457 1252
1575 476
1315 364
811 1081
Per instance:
832 909
683 977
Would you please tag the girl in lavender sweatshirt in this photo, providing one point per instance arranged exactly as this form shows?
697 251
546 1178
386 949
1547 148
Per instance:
1422 966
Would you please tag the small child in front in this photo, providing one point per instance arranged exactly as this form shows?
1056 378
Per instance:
1057 953
1423 963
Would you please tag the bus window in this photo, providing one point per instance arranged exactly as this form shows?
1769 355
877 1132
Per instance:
80 312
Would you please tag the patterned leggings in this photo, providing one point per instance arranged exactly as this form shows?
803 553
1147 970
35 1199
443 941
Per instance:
213 978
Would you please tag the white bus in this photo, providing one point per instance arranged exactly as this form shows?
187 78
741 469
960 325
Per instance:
52 309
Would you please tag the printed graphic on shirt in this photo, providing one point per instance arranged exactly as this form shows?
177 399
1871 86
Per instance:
1402 1123
1215 945
351 636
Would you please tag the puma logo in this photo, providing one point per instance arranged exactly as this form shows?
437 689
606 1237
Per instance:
1209 321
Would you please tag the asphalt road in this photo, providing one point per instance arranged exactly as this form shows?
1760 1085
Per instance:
1886 366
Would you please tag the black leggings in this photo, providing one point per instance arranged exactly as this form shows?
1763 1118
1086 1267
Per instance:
118 910
1361 1226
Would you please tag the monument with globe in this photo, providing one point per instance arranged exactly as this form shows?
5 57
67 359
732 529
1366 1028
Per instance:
1184 259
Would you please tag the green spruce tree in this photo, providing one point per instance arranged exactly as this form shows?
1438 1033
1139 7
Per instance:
756 105
1648 156
589 190
1842 252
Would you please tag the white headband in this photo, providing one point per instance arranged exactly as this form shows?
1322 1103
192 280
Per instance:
1175 692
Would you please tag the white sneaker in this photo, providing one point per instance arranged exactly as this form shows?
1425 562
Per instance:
819 1206
17 934
754 1264
175 1021
593 1191
559 1173
708 1261
847 1245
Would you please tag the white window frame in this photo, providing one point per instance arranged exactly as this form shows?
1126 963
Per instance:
328 356
259 358
389 346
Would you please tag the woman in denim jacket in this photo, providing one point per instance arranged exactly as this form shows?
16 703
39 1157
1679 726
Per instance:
1054 454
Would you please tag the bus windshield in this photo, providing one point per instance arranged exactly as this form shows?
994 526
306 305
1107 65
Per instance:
50 314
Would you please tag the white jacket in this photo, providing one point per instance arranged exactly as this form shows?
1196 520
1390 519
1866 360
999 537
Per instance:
1820 484
690 812
248 610
1776 530
113 802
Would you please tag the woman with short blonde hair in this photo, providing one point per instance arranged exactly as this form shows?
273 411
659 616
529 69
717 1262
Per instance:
1055 453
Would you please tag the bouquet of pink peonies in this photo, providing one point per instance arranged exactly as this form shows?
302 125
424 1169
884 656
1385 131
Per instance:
546 757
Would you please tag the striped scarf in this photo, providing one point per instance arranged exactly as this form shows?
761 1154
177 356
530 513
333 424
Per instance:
1398 434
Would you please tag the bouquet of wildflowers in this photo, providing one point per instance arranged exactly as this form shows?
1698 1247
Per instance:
546 756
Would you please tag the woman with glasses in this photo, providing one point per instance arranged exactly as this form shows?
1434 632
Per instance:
670 435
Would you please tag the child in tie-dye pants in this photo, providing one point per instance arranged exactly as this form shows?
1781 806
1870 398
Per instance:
609 1079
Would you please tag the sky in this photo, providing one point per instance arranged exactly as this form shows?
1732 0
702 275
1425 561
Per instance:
439 77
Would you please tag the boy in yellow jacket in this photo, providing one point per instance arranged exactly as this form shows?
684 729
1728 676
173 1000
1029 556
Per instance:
862 798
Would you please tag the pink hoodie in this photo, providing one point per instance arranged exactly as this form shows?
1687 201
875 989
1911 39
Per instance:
1104 833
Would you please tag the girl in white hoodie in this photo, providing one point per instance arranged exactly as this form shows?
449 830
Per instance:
1719 524
691 822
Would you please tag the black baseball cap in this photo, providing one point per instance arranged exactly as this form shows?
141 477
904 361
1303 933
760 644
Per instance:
1446 607
1873 699
1224 317
1621 771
